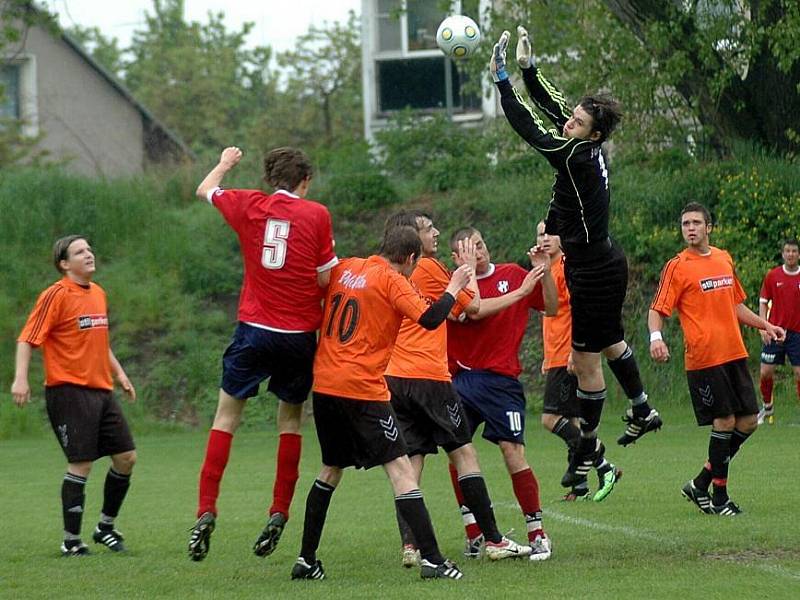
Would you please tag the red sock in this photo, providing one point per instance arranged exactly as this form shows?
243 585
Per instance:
470 526
526 489
766 384
217 451
798 388
286 472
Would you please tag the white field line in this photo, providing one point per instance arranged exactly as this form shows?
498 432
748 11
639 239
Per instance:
644 534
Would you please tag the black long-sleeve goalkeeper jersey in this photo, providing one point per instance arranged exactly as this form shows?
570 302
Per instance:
578 210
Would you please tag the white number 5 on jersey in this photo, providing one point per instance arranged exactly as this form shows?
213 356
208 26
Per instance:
276 234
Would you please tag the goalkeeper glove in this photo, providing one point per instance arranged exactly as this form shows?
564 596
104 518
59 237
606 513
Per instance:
497 66
524 54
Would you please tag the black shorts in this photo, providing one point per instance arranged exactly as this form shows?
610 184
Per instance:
496 400
429 413
356 433
775 353
88 422
722 391
597 278
560 393
256 354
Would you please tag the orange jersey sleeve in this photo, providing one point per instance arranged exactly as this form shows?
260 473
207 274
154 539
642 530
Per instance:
557 330
364 305
705 292
70 323
419 353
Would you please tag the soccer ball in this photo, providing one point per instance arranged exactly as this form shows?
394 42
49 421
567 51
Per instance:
458 36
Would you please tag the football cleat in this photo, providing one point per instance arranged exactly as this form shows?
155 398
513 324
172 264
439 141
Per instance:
474 547
607 480
638 426
700 498
729 509
268 540
411 556
200 538
445 570
766 414
303 570
579 467
506 548
75 549
110 538
541 548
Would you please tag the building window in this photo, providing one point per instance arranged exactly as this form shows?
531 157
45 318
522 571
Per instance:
410 70
9 92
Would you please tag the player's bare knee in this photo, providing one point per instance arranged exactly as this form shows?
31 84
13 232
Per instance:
123 463
81 469
330 475
514 456
290 417
465 459
549 421
747 424
725 423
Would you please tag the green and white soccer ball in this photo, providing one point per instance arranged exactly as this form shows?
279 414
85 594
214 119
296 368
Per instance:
458 36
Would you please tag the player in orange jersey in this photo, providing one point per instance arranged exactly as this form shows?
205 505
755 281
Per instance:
700 284
365 304
428 410
70 324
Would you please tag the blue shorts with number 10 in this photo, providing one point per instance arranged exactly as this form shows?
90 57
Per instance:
496 400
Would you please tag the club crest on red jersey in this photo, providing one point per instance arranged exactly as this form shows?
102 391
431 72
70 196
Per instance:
502 286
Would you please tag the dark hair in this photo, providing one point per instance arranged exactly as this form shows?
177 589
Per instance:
404 218
606 114
790 242
286 168
460 234
697 207
61 249
399 243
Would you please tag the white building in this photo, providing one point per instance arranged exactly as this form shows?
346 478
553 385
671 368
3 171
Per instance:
403 68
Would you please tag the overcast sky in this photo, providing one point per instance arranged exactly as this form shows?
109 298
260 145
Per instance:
277 22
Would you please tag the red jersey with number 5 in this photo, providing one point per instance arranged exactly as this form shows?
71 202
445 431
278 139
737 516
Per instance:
285 241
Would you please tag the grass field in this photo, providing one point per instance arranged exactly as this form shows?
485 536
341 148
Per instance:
644 541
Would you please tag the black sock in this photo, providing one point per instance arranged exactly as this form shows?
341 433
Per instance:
406 535
567 432
72 500
114 490
317 503
591 407
737 439
626 371
703 479
476 497
412 507
719 448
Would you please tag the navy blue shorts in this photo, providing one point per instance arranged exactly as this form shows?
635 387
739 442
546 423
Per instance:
256 354
775 353
496 400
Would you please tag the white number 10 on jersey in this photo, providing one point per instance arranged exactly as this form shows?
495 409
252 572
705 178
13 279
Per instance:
276 234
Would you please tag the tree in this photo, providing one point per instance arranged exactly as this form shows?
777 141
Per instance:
711 71
200 79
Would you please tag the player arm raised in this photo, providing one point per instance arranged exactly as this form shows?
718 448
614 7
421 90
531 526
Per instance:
228 159
748 317
658 347
438 311
492 306
538 256
122 377
20 388
466 255
546 96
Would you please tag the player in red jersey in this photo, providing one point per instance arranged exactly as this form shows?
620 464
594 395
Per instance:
287 249
560 409
364 307
70 324
780 304
700 284
428 409
483 353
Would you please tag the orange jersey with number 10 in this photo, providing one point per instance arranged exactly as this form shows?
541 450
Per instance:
364 305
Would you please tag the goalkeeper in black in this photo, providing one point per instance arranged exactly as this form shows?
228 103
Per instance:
596 269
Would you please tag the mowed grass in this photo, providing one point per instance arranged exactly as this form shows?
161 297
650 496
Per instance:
644 541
